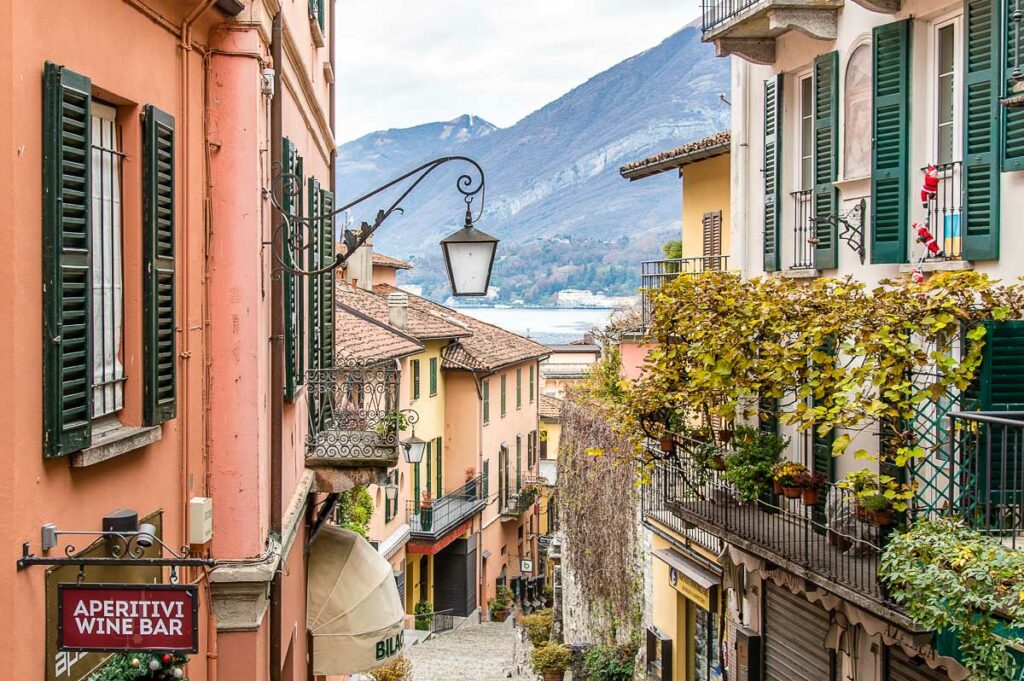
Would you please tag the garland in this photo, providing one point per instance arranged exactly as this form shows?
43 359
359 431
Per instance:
143 667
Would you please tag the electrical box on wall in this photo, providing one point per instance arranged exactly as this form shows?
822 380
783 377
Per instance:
200 521
748 656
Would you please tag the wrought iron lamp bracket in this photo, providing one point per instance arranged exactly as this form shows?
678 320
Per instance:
852 232
297 234
125 548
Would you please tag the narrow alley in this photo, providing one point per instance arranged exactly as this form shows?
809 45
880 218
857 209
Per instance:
489 651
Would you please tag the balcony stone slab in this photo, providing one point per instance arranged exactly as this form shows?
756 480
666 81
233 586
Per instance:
750 32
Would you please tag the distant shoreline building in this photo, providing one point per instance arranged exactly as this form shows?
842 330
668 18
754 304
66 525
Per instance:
573 297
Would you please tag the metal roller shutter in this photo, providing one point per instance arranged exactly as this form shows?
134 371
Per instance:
902 668
795 638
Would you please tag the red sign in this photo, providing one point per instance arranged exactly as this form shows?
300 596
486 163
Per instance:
118 617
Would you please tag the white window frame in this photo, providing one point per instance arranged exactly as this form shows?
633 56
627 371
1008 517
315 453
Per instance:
107 260
802 116
864 40
954 19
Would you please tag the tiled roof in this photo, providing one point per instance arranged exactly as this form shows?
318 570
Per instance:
487 348
590 348
381 260
709 147
550 407
362 337
422 326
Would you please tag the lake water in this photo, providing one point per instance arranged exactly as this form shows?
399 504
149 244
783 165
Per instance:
544 325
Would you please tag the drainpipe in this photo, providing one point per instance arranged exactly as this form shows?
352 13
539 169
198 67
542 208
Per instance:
276 354
739 227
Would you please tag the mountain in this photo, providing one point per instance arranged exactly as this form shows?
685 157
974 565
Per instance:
554 195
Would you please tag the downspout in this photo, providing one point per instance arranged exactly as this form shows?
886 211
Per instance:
740 165
276 354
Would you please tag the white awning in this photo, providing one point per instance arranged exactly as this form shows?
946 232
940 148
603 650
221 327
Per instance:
352 606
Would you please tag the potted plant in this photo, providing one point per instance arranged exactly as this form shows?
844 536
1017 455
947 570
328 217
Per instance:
398 670
785 475
810 484
499 604
424 612
426 511
749 467
551 661
471 482
391 422
876 496
537 626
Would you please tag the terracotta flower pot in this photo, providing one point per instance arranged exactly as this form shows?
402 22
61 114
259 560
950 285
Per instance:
667 444
811 495
499 615
791 492
860 513
718 462
725 435
880 518
553 676
777 486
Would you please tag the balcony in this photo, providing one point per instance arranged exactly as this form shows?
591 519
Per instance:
656 273
803 230
447 512
565 369
945 212
514 505
353 417
748 28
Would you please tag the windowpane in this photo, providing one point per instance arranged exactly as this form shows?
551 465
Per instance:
107 264
945 104
806 134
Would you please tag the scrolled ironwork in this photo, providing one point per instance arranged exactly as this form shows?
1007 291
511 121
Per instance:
125 548
295 235
354 416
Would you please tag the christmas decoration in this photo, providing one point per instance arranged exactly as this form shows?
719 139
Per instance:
925 237
930 188
143 667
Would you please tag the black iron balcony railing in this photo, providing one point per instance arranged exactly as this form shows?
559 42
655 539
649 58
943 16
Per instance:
717 12
433 521
803 229
656 273
437 622
664 485
945 213
515 504
353 414
986 473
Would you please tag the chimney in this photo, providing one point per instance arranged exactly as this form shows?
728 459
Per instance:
398 310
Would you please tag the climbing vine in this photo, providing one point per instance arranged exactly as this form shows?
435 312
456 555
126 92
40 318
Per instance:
598 502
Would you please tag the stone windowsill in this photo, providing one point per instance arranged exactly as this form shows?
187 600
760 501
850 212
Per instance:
113 442
801 273
938 266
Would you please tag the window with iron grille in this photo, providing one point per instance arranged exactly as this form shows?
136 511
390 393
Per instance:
107 264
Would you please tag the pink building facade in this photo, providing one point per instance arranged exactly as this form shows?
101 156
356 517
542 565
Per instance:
143 137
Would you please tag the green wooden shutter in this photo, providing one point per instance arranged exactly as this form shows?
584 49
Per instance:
772 172
67 275
159 356
519 463
485 388
485 479
982 84
302 233
1001 377
826 159
1001 388
290 208
890 145
327 252
439 453
429 458
519 388
1013 119
531 384
416 485
433 376
414 365
503 396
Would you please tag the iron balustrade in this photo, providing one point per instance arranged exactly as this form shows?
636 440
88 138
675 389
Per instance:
448 511
653 496
353 413
438 621
945 213
716 12
986 473
656 273
803 229
517 503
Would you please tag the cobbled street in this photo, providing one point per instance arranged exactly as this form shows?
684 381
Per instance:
482 652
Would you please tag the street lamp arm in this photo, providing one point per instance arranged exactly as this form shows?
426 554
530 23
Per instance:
300 240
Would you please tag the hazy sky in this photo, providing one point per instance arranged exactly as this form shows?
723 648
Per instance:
406 62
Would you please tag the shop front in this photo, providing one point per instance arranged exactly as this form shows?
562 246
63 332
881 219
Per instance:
685 643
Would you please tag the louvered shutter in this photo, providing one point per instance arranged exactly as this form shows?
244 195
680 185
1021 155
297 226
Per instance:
289 205
826 159
67 277
1002 367
159 356
712 224
982 80
1013 119
772 171
302 240
890 144
314 335
327 251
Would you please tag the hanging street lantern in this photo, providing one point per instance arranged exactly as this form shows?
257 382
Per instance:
469 259
391 490
414 449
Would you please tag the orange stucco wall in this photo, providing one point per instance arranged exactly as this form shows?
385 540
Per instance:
634 355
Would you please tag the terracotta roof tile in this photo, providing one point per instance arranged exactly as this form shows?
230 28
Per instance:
364 338
487 348
550 407
381 260
422 326
708 147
